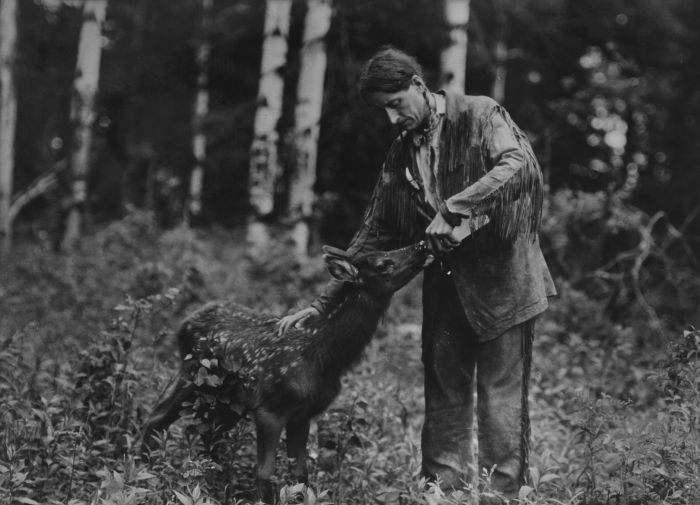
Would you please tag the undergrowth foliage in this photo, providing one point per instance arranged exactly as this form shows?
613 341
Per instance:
613 422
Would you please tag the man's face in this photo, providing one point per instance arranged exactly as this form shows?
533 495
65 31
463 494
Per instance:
406 108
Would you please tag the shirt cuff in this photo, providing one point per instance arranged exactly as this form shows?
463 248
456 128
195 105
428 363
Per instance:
450 218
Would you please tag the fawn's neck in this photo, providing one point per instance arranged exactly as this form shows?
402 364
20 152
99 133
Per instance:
343 333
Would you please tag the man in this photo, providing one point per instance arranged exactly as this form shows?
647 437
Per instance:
461 166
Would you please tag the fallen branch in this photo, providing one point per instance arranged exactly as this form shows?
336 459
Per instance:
626 269
41 185
645 248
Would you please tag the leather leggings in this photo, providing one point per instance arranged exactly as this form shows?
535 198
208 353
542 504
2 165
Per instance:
456 365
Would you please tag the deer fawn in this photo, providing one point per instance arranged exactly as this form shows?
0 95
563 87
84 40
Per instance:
284 381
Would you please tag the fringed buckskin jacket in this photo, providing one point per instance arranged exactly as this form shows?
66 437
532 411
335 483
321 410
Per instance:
486 166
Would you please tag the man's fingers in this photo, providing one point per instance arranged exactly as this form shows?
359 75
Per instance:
446 244
292 320
436 244
284 325
442 243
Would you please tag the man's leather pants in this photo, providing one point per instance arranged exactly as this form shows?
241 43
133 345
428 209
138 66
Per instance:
456 363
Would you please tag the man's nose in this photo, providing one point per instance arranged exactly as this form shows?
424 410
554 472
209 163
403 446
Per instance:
393 115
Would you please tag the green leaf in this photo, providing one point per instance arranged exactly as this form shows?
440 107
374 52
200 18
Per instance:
535 476
548 477
524 491
143 475
28 501
184 499
309 497
388 495
213 380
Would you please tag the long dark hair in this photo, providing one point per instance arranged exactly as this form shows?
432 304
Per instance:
389 70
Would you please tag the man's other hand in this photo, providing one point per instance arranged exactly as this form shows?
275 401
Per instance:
296 319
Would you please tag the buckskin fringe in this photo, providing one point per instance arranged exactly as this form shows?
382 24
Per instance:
392 206
515 208
527 335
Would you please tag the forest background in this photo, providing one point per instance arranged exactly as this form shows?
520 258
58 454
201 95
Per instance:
609 94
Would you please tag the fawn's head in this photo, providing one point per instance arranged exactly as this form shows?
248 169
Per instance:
381 272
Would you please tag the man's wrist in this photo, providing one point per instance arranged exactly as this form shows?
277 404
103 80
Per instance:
318 305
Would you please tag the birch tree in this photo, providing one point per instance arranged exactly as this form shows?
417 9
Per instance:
498 91
8 114
264 162
453 59
306 120
82 112
200 110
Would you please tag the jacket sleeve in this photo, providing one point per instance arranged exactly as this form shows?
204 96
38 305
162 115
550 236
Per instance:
373 235
507 158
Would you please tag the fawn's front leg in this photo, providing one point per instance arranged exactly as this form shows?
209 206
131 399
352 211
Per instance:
268 428
297 438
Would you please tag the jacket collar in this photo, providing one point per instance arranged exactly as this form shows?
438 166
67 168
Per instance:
454 103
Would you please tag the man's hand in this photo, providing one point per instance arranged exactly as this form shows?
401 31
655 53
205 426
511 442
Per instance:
296 319
439 234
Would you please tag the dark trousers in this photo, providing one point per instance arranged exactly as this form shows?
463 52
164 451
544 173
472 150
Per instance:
455 362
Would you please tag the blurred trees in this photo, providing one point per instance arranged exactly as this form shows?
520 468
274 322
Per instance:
199 112
82 112
453 60
8 115
265 166
307 121
607 90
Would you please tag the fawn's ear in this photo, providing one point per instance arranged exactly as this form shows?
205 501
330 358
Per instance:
334 252
338 263
342 269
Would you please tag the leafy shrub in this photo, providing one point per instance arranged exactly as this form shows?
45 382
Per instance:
77 383
637 268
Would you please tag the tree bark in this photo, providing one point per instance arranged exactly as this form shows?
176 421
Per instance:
82 112
264 162
200 110
498 91
454 57
8 115
307 120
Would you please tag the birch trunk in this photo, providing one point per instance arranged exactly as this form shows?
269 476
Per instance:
82 112
454 57
498 92
200 110
8 115
264 163
307 119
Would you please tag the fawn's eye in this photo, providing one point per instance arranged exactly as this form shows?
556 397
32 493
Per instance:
384 265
